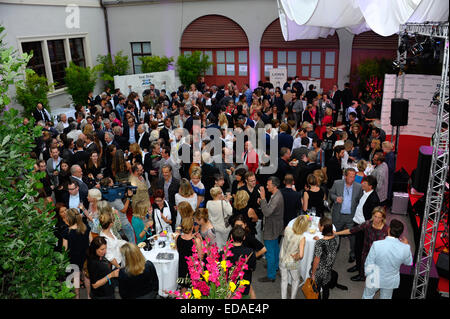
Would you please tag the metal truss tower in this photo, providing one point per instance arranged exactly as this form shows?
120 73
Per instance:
440 159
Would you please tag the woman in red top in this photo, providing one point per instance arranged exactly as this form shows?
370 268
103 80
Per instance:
328 118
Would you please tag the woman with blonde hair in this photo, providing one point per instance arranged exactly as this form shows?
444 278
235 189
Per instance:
186 193
184 247
76 241
361 166
198 186
292 250
219 210
107 220
138 279
374 147
374 229
105 208
223 121
141 221
134 154
92 213
240 207
185 211
206 229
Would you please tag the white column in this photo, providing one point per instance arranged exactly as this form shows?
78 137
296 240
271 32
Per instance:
345 56
254 63
47 63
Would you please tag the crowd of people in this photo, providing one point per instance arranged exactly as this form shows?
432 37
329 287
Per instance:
333 161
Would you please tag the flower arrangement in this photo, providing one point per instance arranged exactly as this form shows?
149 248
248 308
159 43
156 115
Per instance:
218 278
374 89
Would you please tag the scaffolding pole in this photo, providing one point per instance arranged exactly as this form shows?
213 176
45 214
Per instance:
439 163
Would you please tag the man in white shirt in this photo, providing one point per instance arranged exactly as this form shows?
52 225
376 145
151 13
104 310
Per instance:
62 124
383 262
369 200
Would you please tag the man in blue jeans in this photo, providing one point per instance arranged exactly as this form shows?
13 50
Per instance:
273 226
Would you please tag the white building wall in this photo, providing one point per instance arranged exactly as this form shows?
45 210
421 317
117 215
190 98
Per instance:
35 22
161 23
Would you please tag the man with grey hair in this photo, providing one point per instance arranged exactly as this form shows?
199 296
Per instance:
74 132
309 168
62 124
77 175
273 211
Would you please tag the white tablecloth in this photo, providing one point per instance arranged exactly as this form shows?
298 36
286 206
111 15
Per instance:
167 269
308 255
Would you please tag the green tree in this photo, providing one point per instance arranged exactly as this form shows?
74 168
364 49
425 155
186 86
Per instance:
109 67
155 63
191 67
11 65
29 265
34 90
80 81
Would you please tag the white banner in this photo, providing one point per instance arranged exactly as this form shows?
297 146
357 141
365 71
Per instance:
419 90
140 82
278 77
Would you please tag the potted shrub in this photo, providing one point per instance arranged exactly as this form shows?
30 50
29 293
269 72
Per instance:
34 90
155 63
80 81
110 66
191 67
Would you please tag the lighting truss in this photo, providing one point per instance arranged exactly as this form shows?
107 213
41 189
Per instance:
440 159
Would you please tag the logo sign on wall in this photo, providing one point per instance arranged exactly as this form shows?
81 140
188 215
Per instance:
419 90
278 77
140 82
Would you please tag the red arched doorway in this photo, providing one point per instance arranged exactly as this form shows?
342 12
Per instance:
309 59
226 44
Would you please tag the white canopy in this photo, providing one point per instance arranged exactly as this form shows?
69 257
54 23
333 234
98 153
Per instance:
311 19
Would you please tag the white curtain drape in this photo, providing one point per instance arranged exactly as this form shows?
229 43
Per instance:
310 19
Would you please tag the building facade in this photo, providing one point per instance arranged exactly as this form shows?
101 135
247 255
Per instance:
242 37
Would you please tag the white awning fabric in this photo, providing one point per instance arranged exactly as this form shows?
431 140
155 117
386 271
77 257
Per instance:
311 19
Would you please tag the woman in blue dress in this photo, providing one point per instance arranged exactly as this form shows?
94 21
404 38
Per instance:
198 186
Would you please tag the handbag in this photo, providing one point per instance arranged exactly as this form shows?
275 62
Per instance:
310 289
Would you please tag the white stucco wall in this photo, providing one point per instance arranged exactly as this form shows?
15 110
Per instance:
161 23
24 21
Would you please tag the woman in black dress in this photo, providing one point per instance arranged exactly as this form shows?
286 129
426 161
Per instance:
184 243
325 251
139 279
93 170
100 270
313 196
328 140
76 241
62 225
241 207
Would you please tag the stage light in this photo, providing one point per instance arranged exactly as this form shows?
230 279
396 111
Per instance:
417 49
404 44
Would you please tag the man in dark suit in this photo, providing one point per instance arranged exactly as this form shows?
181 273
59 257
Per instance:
91 147
334 170
170 185
284 166
310 167
41 114
80 156
369 200
297 87
210 117
74 196
77 175
130 131
292 199
336 96
164 133
284 139
345 195
143 138
347 98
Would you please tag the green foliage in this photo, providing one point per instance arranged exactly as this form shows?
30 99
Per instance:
155 63
109 66
33 91
29 265
80 81
11 65
191 67
370 68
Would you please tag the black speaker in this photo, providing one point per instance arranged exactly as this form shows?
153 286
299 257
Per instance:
407 279
442 265
399 112
420 182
